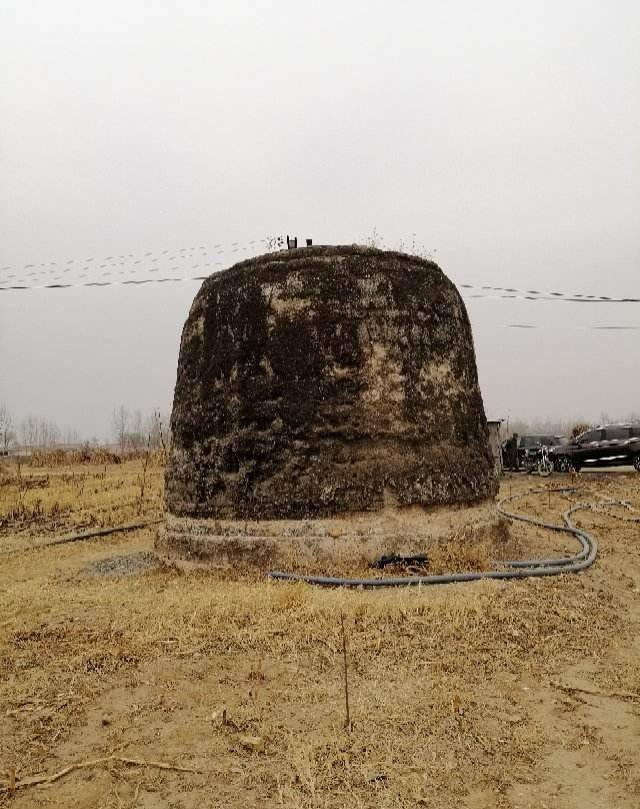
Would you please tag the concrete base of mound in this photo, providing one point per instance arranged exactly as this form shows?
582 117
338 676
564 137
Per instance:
349 540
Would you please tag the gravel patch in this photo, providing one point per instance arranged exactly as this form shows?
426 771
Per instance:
124 565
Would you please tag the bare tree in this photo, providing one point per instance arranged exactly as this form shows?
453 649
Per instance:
71 437
48 433
134 432
120 426
559 427
29 431
136 435
156 427
37 432
7 434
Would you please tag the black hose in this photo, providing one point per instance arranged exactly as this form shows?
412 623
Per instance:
98 532
517 569
562 560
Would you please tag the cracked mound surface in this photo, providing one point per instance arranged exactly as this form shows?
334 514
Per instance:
325 381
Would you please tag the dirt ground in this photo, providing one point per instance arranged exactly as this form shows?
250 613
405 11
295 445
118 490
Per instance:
490 694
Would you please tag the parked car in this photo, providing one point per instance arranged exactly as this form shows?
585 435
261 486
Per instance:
611 445
524 451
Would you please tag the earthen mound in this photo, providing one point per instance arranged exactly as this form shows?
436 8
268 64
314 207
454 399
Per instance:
324 382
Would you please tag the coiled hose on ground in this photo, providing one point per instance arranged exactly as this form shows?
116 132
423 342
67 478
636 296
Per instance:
516 569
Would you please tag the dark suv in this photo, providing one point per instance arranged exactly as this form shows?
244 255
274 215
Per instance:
611 445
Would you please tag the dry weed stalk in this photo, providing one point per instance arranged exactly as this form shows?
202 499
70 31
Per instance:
573 689
20 481
347 723
79 497
165 453
143 482
12 785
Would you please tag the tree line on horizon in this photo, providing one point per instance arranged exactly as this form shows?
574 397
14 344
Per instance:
130 431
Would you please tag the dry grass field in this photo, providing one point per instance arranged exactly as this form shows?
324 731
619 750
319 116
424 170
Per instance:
491 694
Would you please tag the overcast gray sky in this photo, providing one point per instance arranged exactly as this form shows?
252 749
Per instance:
505 135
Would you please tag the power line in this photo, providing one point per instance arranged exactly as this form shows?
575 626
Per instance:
506 293
144 281
100 284
209 256
171 254
576 328
169 279
178 256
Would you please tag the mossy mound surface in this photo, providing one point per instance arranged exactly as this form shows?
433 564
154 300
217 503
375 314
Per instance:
324 381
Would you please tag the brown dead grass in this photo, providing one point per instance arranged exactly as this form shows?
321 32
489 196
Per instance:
452 688
37 500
